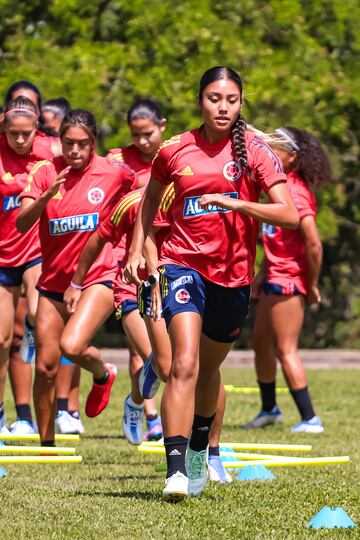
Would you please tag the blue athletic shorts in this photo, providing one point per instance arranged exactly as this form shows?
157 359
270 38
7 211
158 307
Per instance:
59 297
127 306
223 309
13 277
274 288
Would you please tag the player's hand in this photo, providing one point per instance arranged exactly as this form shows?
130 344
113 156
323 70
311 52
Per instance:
60 179
134 262
155 302
256 289
216 199
71 299
313 296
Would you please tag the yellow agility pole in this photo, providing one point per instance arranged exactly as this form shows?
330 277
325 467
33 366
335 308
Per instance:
236 455
37 450
299 462
250 446
36 438
231 389
40 459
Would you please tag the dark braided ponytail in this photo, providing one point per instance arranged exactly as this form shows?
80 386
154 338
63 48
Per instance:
238 130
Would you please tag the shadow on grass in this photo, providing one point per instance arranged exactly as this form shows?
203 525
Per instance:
144 495
101 437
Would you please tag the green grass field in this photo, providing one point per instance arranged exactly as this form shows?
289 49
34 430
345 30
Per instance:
116 494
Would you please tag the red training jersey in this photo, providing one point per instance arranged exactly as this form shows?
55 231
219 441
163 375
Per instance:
72 215
219 244
17 249
285 248
132 157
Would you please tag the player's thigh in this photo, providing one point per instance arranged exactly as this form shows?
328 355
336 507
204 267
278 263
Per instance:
287 316
135 330
8 300
49 325
30 279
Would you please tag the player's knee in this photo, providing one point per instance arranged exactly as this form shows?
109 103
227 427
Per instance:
185 367
46 371
5 341
285 356
71 348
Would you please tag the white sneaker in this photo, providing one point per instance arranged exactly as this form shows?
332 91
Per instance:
3 429
67 424
197 471
132 422
314 425
27 347
149 381
217 471
265 418
176 488
22 427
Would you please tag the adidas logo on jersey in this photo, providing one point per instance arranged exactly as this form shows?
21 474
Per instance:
187 172
81 223
192 207
7 177
175 452
57 196
11 202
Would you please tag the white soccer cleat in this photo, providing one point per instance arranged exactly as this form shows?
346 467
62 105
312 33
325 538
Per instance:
3 429
176 488
149 381
132 422
66 424
217 472
27 347
265 418
314 425
197 471
22 427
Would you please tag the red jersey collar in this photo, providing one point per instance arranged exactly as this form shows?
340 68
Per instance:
204 143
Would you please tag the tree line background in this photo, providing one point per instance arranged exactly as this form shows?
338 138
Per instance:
299 60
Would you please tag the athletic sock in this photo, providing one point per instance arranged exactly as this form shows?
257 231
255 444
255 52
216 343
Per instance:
303 402
23 412
48 443
152 417
175 449
62 404
199 439
103 379
268 395
214 451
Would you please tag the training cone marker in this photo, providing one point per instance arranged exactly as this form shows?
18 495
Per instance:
255 472
331 518
3 473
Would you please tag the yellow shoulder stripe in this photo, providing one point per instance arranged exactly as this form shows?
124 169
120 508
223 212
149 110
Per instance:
33 171
168 197
123 206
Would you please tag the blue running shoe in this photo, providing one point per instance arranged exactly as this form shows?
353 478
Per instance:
314 425
217 472
154 430
133 421
265 418
149 381
27 347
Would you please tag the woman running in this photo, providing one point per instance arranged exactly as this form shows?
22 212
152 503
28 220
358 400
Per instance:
70 195
21 147
288 279
207 261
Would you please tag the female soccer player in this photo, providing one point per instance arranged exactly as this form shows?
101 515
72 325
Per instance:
146 125
70 195
207 261
20 148
288 279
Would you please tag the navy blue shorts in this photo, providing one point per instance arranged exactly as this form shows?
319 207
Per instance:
274 288
223 309
59 297
13 277
127 306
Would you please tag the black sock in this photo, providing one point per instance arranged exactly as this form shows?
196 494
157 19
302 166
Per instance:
74 414
175 448
62 404
268 395
214 451
303 402
200 432
48 443
23 412
2 412
103 379
151 417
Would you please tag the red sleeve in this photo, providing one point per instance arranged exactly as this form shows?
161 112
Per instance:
39 179
161 220
121 220
305 200
266 166
160 166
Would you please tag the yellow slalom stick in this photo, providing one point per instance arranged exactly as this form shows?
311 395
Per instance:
231 389
36 438
300 462
40 459
36 450
239 455
250 446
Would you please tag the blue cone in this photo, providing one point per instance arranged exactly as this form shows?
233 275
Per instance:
331 518
255 472
226 449
2 443
3 473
